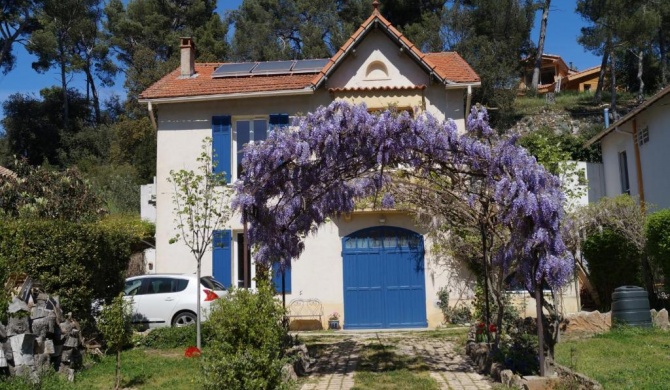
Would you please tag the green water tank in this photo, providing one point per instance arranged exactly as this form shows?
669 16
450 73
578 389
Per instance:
630 305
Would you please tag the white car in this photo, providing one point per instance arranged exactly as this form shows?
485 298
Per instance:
170 300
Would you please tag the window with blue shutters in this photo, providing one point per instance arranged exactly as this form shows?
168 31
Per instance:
228 143
277 276
278 121
221 145
222 260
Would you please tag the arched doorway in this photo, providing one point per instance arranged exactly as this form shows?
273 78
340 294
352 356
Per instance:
384 279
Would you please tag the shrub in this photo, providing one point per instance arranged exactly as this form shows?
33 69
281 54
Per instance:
657 231
459 314
518 347
246 349
78 262
613 261
115 326
182 337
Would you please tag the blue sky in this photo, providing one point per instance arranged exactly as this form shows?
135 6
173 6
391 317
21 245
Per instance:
563 29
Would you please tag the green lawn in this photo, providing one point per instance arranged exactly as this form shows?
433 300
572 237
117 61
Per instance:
621 359
141 368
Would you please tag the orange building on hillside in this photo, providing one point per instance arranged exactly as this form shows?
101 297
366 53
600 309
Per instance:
556 76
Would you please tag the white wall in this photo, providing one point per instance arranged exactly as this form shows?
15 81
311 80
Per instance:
148 202
612 145
654 156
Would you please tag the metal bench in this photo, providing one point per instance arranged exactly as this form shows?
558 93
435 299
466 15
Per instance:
310 310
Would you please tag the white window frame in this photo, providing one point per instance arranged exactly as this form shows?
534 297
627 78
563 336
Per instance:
235 120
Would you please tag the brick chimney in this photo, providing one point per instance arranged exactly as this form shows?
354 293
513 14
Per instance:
187 57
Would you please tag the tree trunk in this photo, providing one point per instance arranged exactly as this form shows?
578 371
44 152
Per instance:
94 92
487 315
664 62
640 92
8 41
198 339
598 97
540 330
613 111
540 45
118 369
63 80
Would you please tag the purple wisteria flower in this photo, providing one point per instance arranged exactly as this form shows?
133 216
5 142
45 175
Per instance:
296 179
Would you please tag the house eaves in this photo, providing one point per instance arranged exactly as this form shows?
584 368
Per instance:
228 96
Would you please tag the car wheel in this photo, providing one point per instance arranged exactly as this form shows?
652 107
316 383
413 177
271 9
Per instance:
184 318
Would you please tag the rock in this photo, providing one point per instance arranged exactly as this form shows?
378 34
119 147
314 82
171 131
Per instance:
17 325
496 369
509 379
302 363
3 332
587 322
23 346
288 374
540 382
17 305
660 320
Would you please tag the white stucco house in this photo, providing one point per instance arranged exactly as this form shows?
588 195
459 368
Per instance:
371 267
635 153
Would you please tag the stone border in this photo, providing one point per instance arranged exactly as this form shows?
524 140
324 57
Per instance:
479 354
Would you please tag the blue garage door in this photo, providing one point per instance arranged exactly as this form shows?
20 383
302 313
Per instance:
384 282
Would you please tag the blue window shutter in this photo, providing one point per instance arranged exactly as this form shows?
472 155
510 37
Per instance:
222 257
278 120
221 144
276 278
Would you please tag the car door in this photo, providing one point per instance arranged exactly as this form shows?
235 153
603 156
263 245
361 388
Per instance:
133 293
159 301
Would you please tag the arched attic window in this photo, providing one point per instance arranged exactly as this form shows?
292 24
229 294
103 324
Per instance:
376 71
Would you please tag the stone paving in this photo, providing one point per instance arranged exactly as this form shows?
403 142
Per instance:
337 363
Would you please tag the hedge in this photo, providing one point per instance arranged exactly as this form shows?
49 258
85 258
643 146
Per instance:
78 262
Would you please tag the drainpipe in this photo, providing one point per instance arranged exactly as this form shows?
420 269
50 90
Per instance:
606 113
150 107
468 101
638 166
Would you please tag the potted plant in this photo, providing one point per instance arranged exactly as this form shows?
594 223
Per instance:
334 321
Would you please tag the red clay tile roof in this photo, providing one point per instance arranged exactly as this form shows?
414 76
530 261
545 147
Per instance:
385 88
448 66
451 66
172 86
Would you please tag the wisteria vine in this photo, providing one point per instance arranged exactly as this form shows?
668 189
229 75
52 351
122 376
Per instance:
296 179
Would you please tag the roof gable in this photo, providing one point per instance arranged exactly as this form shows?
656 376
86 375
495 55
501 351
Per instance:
650 102
448 67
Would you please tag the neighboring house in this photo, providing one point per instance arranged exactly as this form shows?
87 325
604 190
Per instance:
635 152
556 76
372 267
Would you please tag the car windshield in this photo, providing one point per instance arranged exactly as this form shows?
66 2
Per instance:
212 283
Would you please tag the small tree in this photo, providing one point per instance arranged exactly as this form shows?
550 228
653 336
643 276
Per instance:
202 206
115 327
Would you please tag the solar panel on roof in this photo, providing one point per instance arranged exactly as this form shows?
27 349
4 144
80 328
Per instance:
309 65
273 67
237 69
